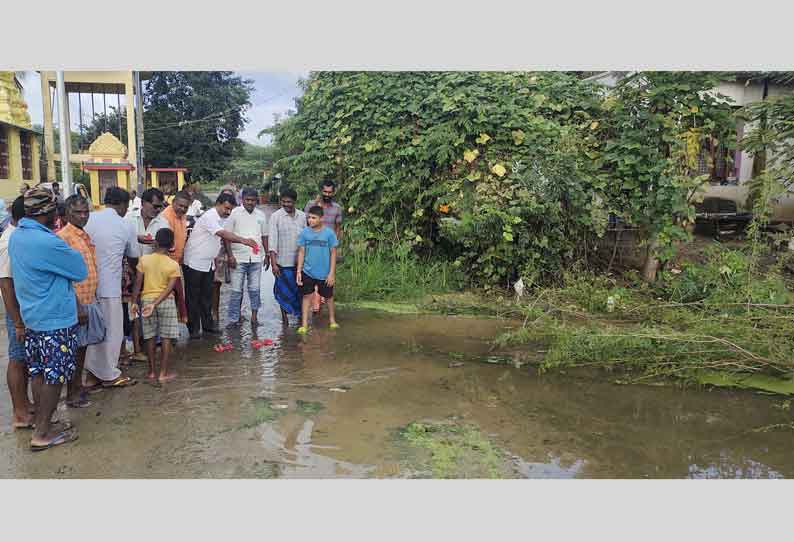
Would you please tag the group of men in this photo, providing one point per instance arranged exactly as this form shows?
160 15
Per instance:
63 291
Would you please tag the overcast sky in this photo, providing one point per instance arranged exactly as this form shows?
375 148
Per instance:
274 92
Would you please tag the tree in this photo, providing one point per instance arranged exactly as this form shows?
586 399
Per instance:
249 166
653 128
489 168
193 120
112 121
770 140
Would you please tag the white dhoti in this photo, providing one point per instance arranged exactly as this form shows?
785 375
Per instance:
102 359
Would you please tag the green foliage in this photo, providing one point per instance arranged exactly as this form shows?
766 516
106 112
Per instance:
770 140
727 277
655 124
508 174
309 408
499 155
193 120
456 450
382 274
249 165
699 319
113 121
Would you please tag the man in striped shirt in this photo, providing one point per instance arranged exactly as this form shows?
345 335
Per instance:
75 236
286 224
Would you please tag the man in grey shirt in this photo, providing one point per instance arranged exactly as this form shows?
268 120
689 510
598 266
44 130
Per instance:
114 238
286 225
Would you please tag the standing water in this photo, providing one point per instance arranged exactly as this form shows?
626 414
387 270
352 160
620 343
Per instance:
398 396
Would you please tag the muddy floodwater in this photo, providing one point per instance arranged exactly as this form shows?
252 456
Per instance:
391 396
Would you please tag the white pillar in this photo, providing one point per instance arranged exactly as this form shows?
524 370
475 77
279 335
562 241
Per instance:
66 134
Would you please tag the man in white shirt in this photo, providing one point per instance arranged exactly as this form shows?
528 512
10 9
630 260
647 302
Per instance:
17 373
149 222
114 238
202 247
135 206
246 221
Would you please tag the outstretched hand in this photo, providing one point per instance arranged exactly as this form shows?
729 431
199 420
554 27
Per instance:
299 278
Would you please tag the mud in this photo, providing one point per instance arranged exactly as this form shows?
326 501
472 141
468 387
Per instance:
332 404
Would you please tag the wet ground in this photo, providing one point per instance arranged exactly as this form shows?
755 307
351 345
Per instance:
335 404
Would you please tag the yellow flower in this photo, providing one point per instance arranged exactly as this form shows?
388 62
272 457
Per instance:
499 170
470 156
64 349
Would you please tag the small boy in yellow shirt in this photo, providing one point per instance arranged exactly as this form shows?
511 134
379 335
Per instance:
155 283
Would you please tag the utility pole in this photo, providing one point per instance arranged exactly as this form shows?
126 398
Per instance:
65 133
139 131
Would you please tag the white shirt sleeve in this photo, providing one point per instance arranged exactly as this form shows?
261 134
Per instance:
214 223
133 249
230 222
5 260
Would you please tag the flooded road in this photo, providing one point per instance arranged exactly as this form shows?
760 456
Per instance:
387 396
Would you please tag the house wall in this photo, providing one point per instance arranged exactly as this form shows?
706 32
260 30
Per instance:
9 188
745 94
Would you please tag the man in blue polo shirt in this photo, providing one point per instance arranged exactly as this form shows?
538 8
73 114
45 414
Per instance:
44 267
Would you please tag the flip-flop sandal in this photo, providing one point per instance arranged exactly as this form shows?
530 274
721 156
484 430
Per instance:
140 356
96 388
22 425
64 437
61 425
120 382
81 402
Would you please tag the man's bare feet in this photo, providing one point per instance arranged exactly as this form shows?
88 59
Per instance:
166 377
22 422
151 376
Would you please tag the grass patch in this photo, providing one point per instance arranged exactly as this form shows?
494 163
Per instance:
263 413
449 450
383 275
712 317
308 408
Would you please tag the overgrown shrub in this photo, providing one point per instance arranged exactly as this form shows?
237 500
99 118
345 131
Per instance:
488 168
726 278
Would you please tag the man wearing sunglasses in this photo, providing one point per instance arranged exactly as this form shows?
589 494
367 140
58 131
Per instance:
149 222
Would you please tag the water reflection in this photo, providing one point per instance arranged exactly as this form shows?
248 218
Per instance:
236 414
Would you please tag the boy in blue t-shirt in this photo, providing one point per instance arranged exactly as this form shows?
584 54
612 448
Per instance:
316 265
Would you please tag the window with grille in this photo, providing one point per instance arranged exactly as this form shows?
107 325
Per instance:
27 156
4 158
716 162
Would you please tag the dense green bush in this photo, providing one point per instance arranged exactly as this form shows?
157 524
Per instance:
507 174
490 169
